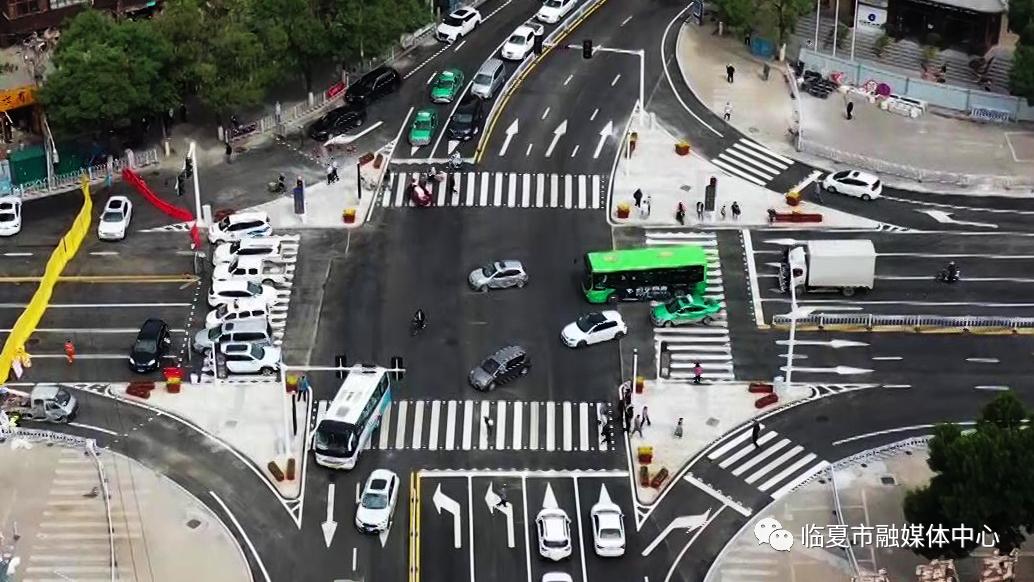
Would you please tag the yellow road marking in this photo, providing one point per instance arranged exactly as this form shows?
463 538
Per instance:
483 142
140 279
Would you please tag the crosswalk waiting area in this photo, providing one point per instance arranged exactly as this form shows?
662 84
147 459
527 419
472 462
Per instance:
448 425
504 190
775 466
752 161
707 344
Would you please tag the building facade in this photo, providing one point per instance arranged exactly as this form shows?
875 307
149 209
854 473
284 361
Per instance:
20 18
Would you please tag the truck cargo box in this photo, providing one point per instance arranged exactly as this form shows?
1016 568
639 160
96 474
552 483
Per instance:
841 263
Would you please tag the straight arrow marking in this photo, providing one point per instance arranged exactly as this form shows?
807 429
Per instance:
835 344
329 526
945 218
604 134
841 370
510 132
557 133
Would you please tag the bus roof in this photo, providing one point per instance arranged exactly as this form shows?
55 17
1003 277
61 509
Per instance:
641 259
354 393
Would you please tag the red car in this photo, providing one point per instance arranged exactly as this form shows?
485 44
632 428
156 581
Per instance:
421 195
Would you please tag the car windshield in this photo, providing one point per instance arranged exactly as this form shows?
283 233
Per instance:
147 346
112 216
221 311
422 123
213 334
487 270
490 365
6 216
375 501
482 79
257 352
587 322
463 117
517 39
841 175
452 21
254 288
554 3
335 438
224 223
609 533
445 82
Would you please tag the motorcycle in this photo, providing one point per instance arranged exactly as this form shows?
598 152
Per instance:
277 187
454 162
416 326
944 277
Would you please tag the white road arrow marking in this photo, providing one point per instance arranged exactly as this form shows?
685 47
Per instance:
495 503
559 131
412 151
549 500
604 134
945 218
510 132
443 501
687 522
842 370
604 495
329 526
783 242
835 344
453 144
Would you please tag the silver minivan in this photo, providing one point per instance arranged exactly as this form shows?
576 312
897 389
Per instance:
250 331
489 78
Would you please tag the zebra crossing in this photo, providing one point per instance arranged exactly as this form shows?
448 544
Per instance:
752 162
707 344
459 425
504 190
775 466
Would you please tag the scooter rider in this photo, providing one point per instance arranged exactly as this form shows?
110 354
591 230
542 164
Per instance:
419 319
281 184
952 272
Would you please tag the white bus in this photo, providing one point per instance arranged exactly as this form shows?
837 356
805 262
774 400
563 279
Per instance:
346 427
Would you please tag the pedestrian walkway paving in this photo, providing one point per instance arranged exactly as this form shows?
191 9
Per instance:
447 425
709 345
505 189
753 162
775 465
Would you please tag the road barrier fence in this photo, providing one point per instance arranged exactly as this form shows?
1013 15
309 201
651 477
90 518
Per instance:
97 173
869 321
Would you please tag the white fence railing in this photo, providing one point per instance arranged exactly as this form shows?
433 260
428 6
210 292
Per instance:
918 321
97 173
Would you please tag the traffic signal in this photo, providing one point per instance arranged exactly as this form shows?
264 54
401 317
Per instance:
188 167
587 49
538 44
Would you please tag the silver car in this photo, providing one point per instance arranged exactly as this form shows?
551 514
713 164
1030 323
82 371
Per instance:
498 275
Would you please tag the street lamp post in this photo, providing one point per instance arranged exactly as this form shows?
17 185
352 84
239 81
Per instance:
192 154
795 312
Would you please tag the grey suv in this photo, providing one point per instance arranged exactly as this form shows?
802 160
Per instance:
498 275
506 364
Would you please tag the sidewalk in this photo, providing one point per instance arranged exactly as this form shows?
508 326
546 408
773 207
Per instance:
252 418
668 178
708 410
937 141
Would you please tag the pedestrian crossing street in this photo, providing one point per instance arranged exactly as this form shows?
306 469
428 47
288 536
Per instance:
708 344
775 466
752 162
448 425
505 189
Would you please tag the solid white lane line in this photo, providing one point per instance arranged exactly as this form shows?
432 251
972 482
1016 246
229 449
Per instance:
432 437
418 424
244 535
450 426
400 425
91 427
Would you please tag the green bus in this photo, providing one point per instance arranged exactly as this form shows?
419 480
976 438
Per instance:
645 274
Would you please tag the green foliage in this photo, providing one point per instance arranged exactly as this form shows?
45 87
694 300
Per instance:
1021 77
107 74
882 42
929 54
1021 15
364 29
982 479
738 15
779 17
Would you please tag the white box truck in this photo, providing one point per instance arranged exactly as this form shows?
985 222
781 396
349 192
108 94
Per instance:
845 266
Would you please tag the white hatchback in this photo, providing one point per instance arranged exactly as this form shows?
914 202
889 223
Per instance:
269 248
240 225
240 309
608 529
377 503
229 292
553 11
458 24
854 183
115 218
10 215
245 358
520 43
554 528
593 328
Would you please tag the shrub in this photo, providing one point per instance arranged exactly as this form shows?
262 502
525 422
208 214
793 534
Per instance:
882 43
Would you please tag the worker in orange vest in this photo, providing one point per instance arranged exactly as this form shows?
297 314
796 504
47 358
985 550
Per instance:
69 351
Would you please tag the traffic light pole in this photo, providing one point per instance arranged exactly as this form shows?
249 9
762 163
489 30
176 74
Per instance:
642 75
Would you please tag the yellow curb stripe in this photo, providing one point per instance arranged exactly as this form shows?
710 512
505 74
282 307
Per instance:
109 279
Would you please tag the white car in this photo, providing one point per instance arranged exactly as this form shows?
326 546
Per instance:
229 292
115 218
554 529
240 309
240 225
10 215
377 503
458 24
252 269
608 529
854 183
520 43
270 248
593 328
245 358
553 11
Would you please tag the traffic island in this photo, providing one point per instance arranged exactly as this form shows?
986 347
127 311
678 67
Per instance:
252 418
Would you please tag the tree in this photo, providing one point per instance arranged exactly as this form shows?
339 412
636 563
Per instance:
107 74
1021 77
364 29
1021 15
294 26
983 478
238 68
738 15
185 25
779 17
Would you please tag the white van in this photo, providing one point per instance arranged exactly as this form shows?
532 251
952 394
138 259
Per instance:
241 309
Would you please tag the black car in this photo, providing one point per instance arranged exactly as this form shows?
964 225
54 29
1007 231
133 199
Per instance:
374 85
337 122
152 343
506 364
466 121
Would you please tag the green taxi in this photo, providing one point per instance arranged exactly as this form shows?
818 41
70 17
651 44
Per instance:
424 124
447 85
683 310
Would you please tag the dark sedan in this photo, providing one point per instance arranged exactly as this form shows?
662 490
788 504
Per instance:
337 122
152 343
466 121
373 85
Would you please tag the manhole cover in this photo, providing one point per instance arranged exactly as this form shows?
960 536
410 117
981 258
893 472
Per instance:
685 187
194 523
888 480
752 130
712 421
231 423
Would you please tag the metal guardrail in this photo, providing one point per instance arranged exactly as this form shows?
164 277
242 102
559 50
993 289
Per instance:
874 320
96 173
849 550
90 446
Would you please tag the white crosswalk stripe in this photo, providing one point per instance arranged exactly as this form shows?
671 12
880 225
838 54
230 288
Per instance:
548 426
774 466
505 190
752 162
709 345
